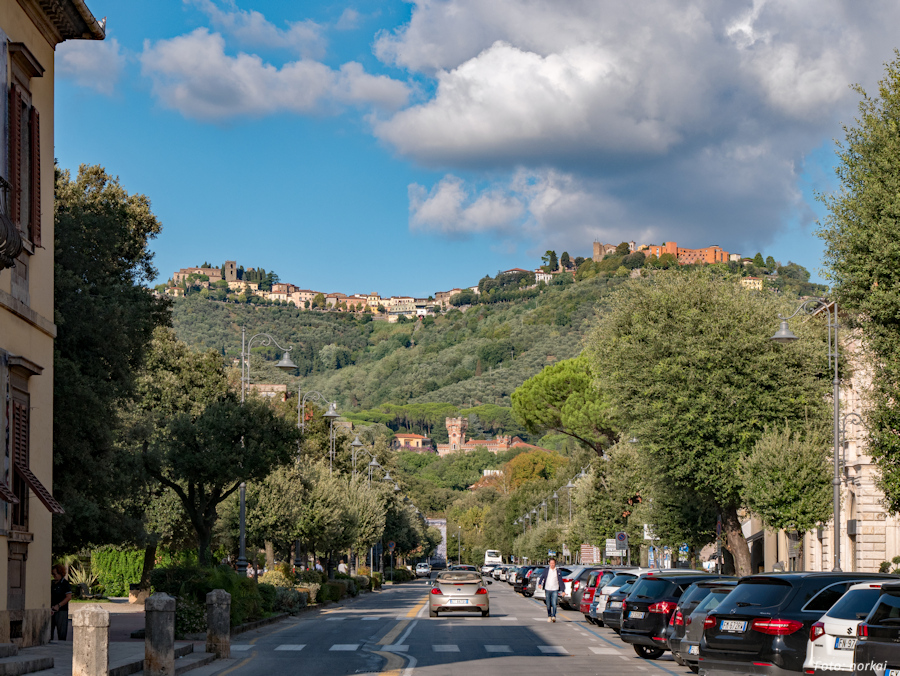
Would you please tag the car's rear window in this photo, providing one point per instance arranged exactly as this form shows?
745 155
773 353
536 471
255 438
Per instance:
459 576
604 580
712 600
619 580
651 588
693 595
759 593
854 603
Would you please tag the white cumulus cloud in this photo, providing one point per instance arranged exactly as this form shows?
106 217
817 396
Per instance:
97 65
193 74
251 29
452 208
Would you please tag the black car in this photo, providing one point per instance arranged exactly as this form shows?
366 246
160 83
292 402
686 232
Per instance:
648 608
762 627
521 581
687 604
612 614
878 638
532 580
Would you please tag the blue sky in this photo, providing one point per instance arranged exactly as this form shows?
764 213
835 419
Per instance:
410 147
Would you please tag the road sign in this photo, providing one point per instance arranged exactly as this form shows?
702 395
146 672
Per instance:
391 545
551 552
621 540
611 543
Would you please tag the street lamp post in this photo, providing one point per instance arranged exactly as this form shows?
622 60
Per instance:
784 335
265 339
242 555
569 486
544 507
556 500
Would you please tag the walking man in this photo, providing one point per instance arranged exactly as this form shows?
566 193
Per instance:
552 581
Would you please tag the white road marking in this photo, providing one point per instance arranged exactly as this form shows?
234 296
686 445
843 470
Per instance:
508 619
445 648
498 648
240 647
396 648
288 646
349 647
553 650
603 651
372 618
624 657
336 619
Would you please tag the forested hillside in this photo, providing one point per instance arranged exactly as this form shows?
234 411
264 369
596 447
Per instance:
466 359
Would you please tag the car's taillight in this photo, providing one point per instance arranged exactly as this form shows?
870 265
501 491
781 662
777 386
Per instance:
709 622
775 626
816 631
663 607
677 619
435 590
575 585
687 620
862 629
481 590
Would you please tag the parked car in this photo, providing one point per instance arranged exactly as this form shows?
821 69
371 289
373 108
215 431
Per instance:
523 575
612 614
598 605
648 608
573 579
423 570
689 647
693 596
533 576
488 568
456 591
832 640
596 581
577 587
763 625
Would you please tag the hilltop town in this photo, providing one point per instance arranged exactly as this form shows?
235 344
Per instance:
233 282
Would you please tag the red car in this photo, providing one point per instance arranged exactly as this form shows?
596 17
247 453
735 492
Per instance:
598 579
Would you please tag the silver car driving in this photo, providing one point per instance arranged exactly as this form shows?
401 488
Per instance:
459 591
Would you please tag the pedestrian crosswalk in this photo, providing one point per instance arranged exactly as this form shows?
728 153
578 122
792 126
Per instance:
435 648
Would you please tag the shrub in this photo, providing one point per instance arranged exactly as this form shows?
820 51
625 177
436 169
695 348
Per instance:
190 616
116 569
289 600
312 576
276 578
348 580
362 582
312 591
332 591
400 575
376 580
268 594
364 570
193 582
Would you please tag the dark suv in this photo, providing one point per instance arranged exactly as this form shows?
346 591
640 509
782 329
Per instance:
520 580
612 614
646 611
762 627
878 638
688 602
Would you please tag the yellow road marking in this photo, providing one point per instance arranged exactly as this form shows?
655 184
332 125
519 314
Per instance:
391 636
393 663
242 663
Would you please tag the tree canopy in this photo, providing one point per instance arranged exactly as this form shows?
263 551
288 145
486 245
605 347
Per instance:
689 369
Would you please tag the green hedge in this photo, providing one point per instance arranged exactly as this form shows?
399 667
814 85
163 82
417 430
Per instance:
116 569
332 591
248 601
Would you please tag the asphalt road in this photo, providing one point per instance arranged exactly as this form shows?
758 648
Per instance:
390 633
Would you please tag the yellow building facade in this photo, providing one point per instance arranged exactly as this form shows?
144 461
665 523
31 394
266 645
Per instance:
30 30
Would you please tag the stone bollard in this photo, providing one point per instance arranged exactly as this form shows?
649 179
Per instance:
218 623
159 641
90 641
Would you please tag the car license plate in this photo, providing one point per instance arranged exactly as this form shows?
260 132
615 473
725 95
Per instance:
615 604
733 625
459 601
844 643
636 615
892 671
693 650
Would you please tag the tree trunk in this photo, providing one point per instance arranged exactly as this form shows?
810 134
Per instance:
204 539
149 564
737 543
270 555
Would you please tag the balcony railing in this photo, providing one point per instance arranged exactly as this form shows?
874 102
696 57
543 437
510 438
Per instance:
10 238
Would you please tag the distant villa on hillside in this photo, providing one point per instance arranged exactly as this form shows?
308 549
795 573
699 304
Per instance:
456 430
710 254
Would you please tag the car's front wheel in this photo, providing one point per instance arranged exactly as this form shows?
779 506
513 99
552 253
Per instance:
648 653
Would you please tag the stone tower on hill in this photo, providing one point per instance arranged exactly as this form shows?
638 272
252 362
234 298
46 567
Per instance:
456 430
231 271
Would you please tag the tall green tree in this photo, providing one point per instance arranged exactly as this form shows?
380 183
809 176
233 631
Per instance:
787 481
861 232
689 369
203 459
565 398
550 261
759 261
105 316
